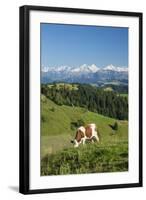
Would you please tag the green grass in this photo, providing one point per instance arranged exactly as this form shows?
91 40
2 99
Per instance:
108 89
56 134
124 95
68 86
88 159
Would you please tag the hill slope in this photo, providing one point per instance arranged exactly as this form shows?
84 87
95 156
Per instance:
57 130
57 153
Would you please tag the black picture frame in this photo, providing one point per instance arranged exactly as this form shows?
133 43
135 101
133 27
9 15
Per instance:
25 105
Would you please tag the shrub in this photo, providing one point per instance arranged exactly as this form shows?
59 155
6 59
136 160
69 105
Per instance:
76 124
80 122
52 109
43 119
116 126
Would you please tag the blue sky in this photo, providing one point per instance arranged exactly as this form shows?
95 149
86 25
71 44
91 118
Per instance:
74 45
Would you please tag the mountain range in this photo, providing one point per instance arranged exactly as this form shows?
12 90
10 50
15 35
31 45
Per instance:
84 74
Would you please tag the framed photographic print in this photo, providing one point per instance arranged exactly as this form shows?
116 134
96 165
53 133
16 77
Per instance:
80 99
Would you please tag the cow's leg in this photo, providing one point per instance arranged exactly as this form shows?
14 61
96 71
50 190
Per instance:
83 140
76 143
92 140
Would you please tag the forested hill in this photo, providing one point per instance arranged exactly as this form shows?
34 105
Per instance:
108 103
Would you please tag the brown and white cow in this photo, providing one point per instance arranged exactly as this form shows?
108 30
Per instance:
88 132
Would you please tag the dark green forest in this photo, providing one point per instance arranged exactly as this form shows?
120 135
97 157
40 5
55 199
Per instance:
108 103
122 89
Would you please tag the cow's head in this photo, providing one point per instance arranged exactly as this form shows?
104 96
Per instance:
79 135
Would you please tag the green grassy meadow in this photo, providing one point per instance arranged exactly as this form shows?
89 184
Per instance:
57 153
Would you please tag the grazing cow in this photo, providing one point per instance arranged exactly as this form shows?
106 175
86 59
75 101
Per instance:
85 133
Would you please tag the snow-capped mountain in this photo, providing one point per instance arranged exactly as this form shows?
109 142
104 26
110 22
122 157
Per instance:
56 69
117 69
84 73
81 69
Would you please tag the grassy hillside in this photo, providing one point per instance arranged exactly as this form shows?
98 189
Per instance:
56 119
56 134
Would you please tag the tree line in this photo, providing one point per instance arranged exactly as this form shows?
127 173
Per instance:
94 99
